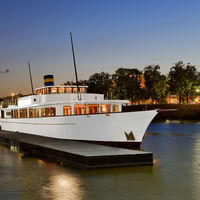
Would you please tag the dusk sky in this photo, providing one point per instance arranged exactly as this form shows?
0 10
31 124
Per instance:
107 34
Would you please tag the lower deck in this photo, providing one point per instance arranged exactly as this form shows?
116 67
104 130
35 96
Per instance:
75 153
58 110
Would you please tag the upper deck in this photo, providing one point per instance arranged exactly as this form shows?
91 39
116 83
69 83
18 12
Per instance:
61 89
55 99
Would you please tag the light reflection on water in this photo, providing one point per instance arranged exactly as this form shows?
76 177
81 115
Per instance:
175 174
63 186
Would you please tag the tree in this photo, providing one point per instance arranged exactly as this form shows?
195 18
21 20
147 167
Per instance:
100 83
182 80
155 83
191 78
126 84
80 82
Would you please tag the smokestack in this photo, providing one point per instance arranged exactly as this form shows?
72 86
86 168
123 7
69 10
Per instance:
48 80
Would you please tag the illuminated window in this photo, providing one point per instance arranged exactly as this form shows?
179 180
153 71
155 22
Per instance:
54 90
115 108
82 90
48 112
38 92
61 90
23 113
46 91
36 112
93 108
9 113
30 113
67 110
68 90
15 113
42 112
74 90
79 109
105 108
53 111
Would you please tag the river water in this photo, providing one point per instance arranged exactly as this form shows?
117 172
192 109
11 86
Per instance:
175 174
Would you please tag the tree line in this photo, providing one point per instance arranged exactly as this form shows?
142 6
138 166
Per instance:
183 80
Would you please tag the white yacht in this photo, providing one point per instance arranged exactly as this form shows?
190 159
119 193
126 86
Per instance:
69 112
61 112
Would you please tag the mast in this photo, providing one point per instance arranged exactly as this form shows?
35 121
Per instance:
76 75
29 67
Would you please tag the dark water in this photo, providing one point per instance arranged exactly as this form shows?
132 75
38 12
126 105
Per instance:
175 174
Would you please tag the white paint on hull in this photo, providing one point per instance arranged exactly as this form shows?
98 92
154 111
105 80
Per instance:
98 127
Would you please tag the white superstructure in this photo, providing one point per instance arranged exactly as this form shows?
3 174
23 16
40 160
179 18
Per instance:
58 112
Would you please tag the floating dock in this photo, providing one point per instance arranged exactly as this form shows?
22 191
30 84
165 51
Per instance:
74 153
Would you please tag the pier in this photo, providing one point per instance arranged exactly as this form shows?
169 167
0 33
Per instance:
74 153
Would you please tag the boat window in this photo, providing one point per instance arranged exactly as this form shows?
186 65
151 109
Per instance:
54 90
48 112
46 91
12 114
115 108
2 114
53 111
79 109
36 112
61 90
105 108
93 108
8 114
30 113
68 90
42 112
67 110
38 92
74 90
23 113
15 115
82 90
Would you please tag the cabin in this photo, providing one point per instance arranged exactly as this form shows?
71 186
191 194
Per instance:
51 101
61 100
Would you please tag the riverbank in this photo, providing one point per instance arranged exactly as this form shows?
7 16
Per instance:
170 111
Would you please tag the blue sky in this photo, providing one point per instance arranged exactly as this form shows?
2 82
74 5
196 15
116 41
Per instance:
108 34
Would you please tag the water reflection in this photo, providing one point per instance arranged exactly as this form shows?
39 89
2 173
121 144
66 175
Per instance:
178 157
63 186
175 174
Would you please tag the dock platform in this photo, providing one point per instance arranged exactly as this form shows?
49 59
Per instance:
74 153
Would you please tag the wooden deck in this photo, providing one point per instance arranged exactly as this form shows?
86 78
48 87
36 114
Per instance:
75 153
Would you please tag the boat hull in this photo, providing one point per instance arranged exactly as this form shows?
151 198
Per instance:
113 129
